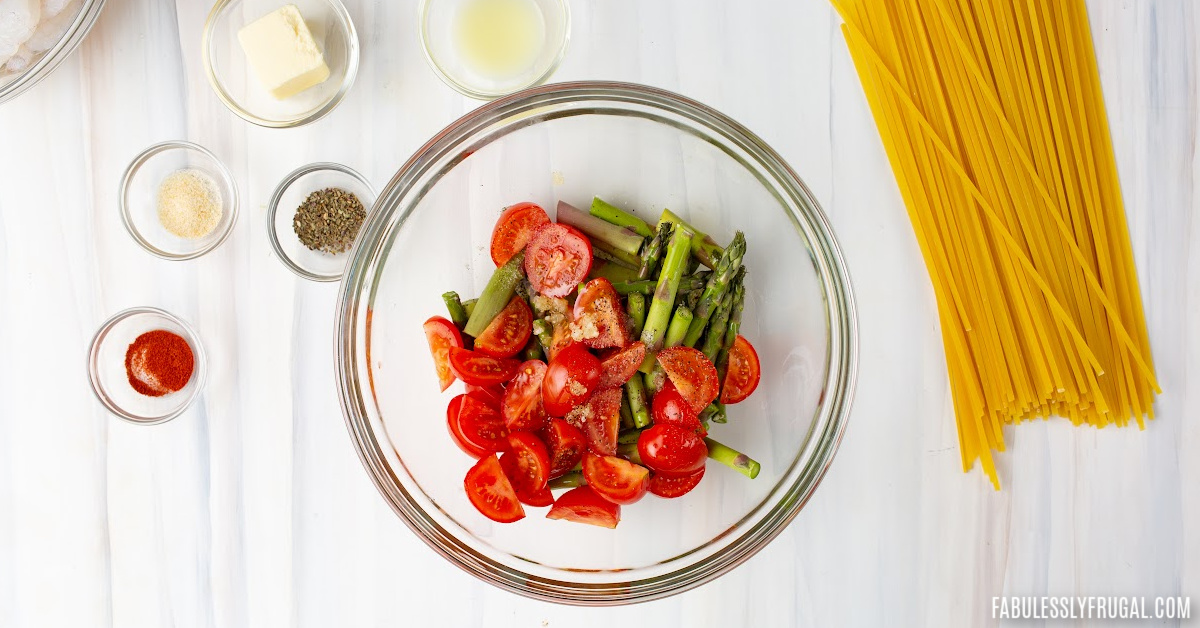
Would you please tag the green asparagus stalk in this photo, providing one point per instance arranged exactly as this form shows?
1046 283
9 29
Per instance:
603 251
635 392
687 283
626 413
715 412
612 271
718 283
544 334
458 314
496 295
571 479
735 325
614 237
629 436
629 451
732 458
659 314
620 217
469 306
635 304
706 250
652 252
533 350
680 321
654 380
715 338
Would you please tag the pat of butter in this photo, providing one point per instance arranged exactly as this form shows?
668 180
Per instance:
282 52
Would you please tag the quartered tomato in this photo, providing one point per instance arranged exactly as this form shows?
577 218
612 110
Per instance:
667 486
743 372
541 498
671 450
692 373
508 332
522 404
491 493
619 366
442 335
566 444
526 464
493 394
476 426
670 408
514 229
616 479
476 368
570 378
599 317
601 419
557 258
584 505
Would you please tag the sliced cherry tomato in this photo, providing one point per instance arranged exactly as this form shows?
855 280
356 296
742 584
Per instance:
583 505
600 419
566 444
692 373
667 486
619 366
522 405
540 499
526 464
570 378
493 394
744 372
442 335
513 230
670 408
599 318
671 450
557 259
560 337
477 427
479 369
616 479
491 493
508 332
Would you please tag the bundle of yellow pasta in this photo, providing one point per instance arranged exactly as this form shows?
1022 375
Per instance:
994 123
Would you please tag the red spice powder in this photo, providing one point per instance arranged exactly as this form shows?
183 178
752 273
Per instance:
159 362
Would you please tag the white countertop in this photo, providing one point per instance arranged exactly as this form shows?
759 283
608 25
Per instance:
253 510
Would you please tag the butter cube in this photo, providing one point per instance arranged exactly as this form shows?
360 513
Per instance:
282 52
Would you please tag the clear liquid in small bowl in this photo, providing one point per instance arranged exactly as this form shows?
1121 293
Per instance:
499 38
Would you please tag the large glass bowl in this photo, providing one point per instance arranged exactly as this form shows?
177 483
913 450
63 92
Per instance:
645 149
85 15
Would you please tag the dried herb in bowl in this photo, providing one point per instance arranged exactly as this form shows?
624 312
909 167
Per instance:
328 220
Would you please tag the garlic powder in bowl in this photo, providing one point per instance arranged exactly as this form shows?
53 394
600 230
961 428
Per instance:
189 204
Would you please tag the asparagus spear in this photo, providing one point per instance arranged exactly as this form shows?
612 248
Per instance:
617 238
715 412
659 315
571 479
458 313
612 271
703 246
629 436
733 458
735 325
620 217
629 451
544 334
635 304
687 283
718 284
533 350
635 391
678 328
602 251
469 306
626 414
655 379
652 252
496 295
715 338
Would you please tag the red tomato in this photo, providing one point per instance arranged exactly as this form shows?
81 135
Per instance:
540 499
442 335
557 259
744 372
507 334
560 337
619 366
493 394
479 369
598 309
514 229
670 408
671 450
522 405
692 373
583 505
571 376
526 464
477 427
566 444
616 479
491 493
600 419
667 486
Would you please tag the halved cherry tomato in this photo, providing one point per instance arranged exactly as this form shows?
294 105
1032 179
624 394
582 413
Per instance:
442 335
491 493
744 372
667 486
619 366
493 394
571 376
692 373
566 444
540 499
557 258
477 427
522 405
514 229
601 420
479 369
526 464
616 479
583 505
670 408
671 450
508 332
560 337
599 317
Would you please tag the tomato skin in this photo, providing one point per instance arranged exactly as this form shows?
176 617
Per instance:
584 505
743 374
672 450
570 378
539 499
441 334
671 487
598 309
692 373
522 402
616 479
493 394
600 419
620 366
514 228
476 427
566 444
668 407
557 258
481 370
491 493
526 464
508 333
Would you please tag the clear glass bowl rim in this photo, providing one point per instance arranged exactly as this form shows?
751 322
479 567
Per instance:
89 12
522 109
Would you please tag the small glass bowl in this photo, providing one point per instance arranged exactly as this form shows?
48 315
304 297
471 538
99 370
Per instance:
106 367
291 192
437 19
233 80
139 199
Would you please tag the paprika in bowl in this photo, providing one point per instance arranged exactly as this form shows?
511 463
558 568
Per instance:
146 365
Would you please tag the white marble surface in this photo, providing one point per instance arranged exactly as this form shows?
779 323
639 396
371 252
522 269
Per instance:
252 509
